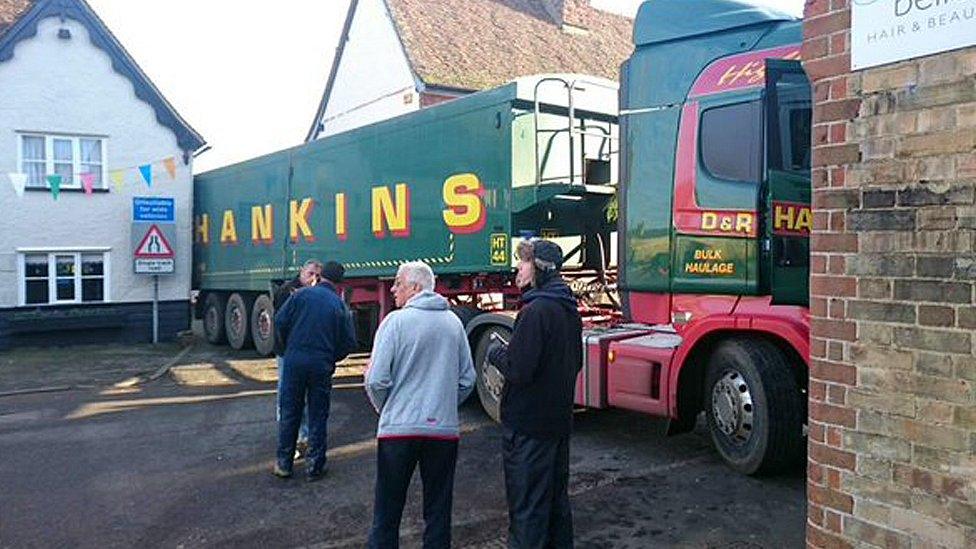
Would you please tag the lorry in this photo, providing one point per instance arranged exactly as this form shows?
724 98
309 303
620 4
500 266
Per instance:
682 199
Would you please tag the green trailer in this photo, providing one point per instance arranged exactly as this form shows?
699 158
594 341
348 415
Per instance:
451 185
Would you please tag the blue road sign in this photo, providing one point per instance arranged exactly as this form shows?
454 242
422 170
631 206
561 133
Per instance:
152 209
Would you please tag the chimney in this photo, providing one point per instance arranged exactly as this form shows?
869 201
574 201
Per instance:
568 14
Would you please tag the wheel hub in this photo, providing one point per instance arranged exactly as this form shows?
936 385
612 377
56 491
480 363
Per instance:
493 380
236 319
264 324
732 407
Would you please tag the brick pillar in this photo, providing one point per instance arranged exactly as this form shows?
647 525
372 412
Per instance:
893 376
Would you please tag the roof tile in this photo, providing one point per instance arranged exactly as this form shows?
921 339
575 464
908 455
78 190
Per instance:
11 11
477 44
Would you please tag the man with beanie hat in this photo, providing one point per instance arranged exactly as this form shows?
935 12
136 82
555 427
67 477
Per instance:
540 365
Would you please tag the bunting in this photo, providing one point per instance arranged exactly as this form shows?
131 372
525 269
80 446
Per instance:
19 181
118 177
88 182
54 182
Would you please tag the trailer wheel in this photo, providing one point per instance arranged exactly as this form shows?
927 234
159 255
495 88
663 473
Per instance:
237 321
490 381
466 313
262 325
753 407
213 318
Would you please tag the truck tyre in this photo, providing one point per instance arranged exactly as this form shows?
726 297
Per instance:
237 321
466 313
753 407
490 381
262 325
213 318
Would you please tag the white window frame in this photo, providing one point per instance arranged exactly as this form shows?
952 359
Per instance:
49 138
52 254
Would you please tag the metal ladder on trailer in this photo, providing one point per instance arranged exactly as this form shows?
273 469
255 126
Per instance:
571 130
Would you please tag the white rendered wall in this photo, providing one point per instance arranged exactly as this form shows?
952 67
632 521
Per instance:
69 86
373 75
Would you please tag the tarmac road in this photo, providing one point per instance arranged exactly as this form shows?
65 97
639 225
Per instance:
175 465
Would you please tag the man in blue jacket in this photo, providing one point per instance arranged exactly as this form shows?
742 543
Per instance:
317 332
540 365
420 371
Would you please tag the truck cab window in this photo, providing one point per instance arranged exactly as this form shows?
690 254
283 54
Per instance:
731 141
789 128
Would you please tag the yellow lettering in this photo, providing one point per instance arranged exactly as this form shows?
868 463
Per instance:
298 214
396 216
804 221
228 228
203 229
743 223
341 227
465 212
783 216
262 224
709 221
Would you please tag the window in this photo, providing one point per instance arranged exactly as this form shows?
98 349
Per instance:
64 277
67 156
731 138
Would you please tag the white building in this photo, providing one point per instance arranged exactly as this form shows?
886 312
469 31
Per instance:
397 56
76 105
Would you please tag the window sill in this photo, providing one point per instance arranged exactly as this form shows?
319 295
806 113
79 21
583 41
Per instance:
63 190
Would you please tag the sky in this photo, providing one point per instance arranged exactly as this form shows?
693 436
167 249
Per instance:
246 75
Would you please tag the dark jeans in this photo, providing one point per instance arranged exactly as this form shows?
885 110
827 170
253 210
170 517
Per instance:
537 489
303 430
298 381
395 461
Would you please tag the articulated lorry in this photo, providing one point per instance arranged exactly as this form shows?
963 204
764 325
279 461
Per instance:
682 200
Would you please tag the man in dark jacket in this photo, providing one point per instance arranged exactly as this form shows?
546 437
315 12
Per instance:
540 365
310 268
317 331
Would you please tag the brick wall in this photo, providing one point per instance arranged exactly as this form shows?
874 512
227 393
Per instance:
893 377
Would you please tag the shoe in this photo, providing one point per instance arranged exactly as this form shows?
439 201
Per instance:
315 473
301 449
281 472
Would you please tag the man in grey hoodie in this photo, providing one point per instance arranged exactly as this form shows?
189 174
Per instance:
420 371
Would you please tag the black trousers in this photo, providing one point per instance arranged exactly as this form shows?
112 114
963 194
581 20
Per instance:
396 460
537 489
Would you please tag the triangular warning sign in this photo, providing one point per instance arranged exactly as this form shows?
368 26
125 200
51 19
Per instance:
154 245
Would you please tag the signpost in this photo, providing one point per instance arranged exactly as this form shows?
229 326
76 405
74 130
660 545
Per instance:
153 232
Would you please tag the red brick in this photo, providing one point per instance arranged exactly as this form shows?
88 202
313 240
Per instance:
837 394
820 134
838 176
830 499
831 371
821 91
835 415
838 132
827 24
838 263
815 47
818 348
818 306
838 43
843 243
838 309
813 8
815 514
817 433
834 439
818 263
838 88
832 521
821 539
833 457
826 67
832 111
815 473
833 286
818 389
833 329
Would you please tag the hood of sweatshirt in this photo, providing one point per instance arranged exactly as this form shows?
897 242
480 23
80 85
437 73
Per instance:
555 288
428 300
